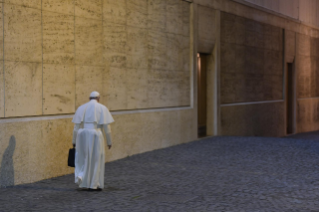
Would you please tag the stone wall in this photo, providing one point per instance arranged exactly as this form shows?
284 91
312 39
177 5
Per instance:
136 53
300 49
251 71
263 119
32 150
252 68
251 60
139 54
307 60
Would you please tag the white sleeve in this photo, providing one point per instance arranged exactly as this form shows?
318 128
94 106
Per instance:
75 133
107 133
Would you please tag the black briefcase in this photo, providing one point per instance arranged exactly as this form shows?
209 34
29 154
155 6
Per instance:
71 158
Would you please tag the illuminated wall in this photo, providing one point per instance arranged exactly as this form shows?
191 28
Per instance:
136 53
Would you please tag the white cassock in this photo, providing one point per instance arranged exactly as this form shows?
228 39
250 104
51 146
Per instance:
91 126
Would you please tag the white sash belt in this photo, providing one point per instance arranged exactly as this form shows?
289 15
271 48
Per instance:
90 126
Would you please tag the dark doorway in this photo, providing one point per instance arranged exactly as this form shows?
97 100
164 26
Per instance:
202 94
290 99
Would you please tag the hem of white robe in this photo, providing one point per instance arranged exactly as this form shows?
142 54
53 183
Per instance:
78 181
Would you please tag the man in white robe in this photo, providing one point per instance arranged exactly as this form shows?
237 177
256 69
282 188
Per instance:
92 123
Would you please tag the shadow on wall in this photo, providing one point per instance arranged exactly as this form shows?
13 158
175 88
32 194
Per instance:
6 169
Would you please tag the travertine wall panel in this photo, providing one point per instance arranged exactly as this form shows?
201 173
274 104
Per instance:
243 120
308 11
168 82
56 151
206 29
23 88
307 69
157 53
182 87
115 87
7 147
88 41
59 6
307 115
114 11
303 44
243 31
58 38
156 19
89 8
229 54
136 48
21 136
137 88
158 89
251 87
33 153
229 27
304 75
273 62
114 38
137 13
90 78
42 153
36 144
307 66
1 64
58 89
174 127
251 60
1 29
115 60
285 7
178 56
314 44
177 20
1 90
303 10
22 34
25 3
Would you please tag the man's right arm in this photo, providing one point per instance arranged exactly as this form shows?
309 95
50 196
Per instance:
75 133
107 132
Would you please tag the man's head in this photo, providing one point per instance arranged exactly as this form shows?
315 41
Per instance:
95 95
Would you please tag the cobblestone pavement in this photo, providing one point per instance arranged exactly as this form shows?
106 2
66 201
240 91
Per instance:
214 174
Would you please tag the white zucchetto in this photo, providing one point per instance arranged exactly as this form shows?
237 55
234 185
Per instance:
94 94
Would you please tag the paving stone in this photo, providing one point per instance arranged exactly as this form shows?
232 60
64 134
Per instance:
223 173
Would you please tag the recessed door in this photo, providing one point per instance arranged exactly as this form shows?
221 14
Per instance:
202 94
290 99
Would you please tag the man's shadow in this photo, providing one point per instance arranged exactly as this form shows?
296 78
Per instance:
7 169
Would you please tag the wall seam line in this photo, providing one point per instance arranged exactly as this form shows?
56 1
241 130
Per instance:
264 9
65 116
304 98
126 52
295 87
4 81
74 58
42 99
251 103
284 63
103 44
